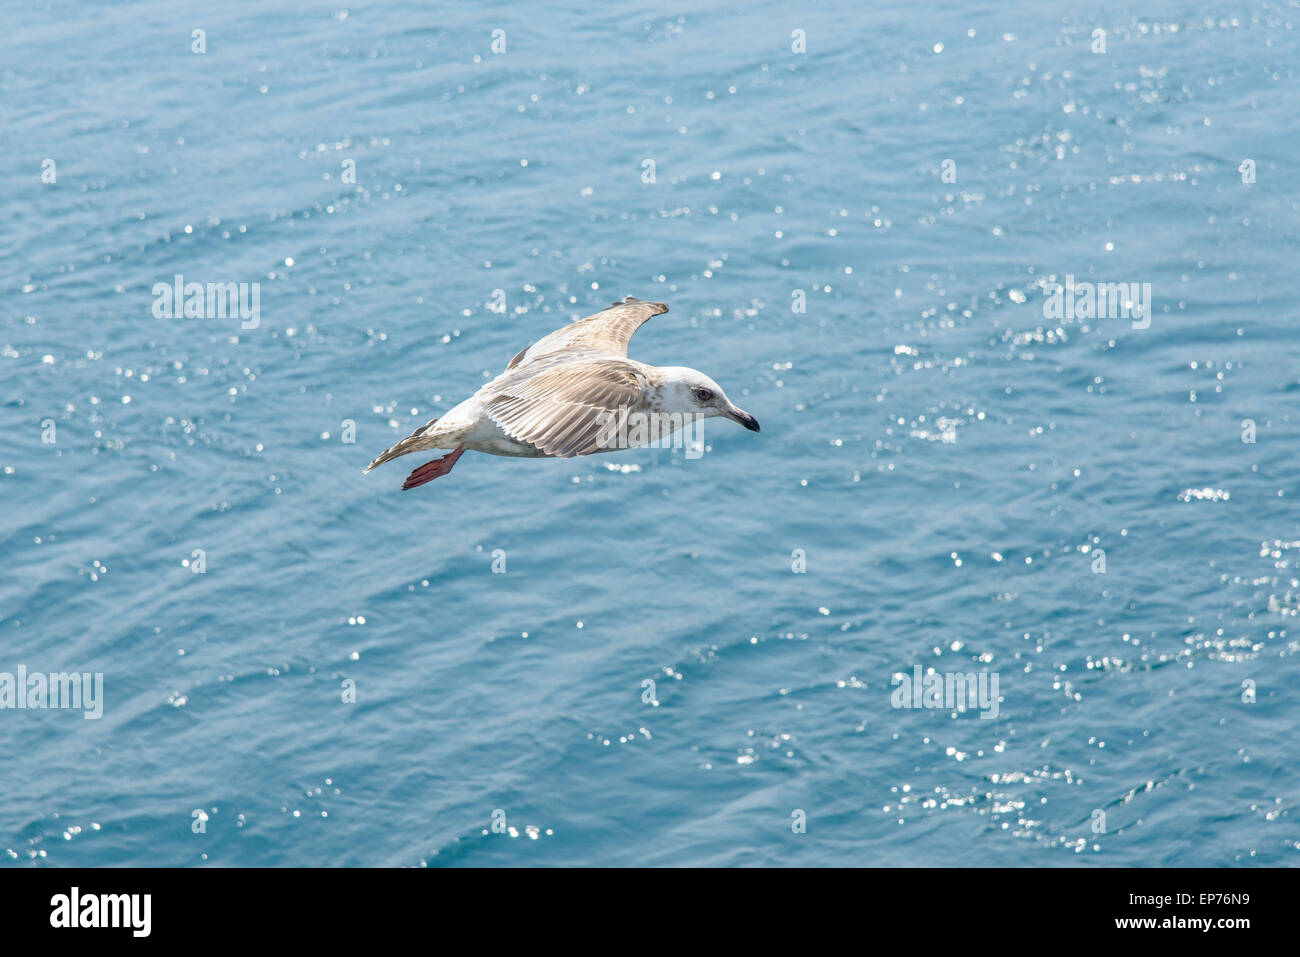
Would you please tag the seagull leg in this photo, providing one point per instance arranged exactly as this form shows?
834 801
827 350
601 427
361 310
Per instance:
432 470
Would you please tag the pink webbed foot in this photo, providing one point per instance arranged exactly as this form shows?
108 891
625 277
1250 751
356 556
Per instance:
432 470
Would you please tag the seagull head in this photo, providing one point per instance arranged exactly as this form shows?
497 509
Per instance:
689 391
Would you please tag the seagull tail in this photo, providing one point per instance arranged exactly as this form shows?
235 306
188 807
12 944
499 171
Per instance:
412 443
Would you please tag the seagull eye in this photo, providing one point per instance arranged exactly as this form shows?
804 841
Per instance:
704 395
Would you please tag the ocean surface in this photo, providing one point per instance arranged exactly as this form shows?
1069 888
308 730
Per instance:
859 217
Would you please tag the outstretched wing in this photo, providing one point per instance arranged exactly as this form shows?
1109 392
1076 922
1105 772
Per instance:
607 332
570 409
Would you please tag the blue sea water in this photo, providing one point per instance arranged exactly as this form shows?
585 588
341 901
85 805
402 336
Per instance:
643 658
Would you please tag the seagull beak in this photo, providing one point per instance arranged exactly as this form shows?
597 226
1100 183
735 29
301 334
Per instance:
742 417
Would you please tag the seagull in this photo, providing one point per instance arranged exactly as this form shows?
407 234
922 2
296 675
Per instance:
572 392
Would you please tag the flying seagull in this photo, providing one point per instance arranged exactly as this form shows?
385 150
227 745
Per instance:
572 392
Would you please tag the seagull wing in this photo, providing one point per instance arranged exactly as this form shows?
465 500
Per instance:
573 408
607 332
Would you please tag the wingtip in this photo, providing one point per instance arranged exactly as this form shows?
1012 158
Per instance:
660 307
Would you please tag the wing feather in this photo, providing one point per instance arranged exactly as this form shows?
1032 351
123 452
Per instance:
563 410
607 332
